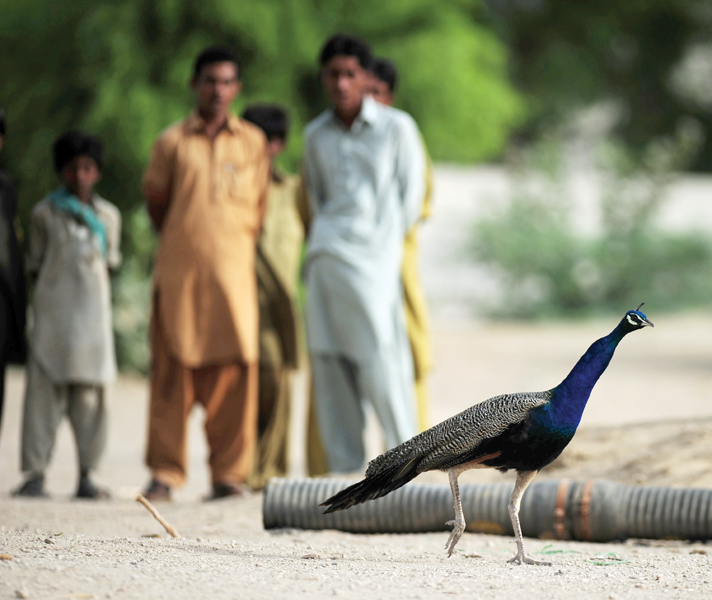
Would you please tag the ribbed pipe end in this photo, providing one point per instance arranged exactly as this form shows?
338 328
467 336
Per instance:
667 513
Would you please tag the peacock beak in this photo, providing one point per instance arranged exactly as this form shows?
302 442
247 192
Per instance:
648 322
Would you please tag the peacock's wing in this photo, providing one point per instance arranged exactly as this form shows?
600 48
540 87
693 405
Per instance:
458 438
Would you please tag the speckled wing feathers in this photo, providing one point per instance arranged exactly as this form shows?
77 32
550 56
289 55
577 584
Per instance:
440 446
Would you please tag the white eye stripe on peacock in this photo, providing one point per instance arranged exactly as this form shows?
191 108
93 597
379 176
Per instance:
634 319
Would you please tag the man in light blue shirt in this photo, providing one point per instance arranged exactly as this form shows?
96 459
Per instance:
364 173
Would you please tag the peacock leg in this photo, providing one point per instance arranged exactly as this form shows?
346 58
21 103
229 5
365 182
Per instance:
458 525
524 478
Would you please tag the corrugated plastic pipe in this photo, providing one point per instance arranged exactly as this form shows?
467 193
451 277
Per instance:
564 509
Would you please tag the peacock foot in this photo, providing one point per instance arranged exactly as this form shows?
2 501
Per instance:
523 559
458 528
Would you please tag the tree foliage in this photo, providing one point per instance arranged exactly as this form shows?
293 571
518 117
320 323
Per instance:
121 69
633 55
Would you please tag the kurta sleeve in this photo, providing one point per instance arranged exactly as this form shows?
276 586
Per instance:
428 197
263 177
410 170
158 178
159 173
7 218
37 240
113 241
313 188
303 204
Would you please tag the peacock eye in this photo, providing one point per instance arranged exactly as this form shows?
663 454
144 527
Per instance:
633 319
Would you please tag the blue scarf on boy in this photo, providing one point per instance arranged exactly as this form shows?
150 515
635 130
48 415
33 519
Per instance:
64 200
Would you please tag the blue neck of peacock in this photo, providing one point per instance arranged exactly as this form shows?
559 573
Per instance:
572 394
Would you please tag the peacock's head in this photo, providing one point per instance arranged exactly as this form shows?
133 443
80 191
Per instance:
634 320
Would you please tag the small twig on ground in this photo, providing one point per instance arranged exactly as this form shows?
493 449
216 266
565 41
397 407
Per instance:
166 525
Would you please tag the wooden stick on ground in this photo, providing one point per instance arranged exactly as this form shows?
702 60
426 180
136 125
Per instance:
167 526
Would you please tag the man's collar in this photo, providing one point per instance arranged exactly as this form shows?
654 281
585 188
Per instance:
369 110
367 115
196 124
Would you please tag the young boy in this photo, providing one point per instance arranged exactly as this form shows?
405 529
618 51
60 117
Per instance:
277 270
383 80
73 241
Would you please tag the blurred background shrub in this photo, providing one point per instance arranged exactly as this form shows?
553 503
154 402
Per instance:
546 267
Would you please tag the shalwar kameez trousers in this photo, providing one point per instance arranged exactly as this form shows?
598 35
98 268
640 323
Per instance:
228 393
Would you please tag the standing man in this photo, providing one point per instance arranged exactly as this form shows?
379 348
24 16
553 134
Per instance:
206 188
12 279
363 167
383 79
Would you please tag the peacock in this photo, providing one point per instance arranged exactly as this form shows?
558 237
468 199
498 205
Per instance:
523 431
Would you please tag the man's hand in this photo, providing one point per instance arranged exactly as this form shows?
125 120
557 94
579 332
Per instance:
157 202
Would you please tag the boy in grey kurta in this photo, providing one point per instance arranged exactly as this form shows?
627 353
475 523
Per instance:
363 168
73 241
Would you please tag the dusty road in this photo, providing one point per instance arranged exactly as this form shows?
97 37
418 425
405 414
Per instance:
649 421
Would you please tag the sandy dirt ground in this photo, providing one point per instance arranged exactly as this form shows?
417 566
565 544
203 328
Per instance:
649 422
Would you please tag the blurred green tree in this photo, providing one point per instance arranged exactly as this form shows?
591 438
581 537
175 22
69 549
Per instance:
120 68
633 55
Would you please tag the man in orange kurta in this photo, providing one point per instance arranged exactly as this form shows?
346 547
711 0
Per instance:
206 188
